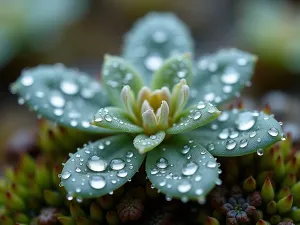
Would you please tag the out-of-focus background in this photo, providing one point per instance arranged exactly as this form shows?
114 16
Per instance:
79 32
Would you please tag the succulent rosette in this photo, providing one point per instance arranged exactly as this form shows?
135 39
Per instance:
153 105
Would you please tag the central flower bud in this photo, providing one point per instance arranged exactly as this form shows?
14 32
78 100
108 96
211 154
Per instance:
158 109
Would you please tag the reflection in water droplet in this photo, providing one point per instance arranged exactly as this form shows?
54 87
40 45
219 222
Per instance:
117 164
184 187
189 169
245 121
273 132
97 182
96 164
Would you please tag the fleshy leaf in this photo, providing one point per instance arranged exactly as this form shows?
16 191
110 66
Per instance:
116 73
115 119
222 75
237 133
172 71
101 167
153 39
181 168
65 96
196 116
146 143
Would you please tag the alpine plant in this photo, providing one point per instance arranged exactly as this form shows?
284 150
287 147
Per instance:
154 106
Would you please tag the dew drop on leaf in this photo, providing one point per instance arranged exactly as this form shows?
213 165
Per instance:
69 87
57 100
197 115
122 173
273 132
260 152
230 144
243 143
184 187
117 164
97 182
201 105
27 81
96 164
108 118
211 164
153 62
245 121
65 175
162 163
230 76
189 169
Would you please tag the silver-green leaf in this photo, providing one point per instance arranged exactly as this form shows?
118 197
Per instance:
116 73
65 96
101 167
237 133
154 38
115 119
172 71
196 116
220 76
182 169
144 143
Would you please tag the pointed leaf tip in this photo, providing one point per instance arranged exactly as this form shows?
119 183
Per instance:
144 143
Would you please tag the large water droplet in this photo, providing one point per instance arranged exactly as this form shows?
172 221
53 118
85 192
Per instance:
27 80
243 143
153 62
57 100
189 169
184 187
162 163
273 132
97 182
211 164
69 87
96 164
108 118
201 105
230 144
65 175
230 76
117 164
197 115
224 134
122 173
245 121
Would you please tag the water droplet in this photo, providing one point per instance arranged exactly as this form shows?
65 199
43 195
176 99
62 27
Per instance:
201 105
129 154
243 143
273 132
117 164
223 117
245 121
234 134
260 152
210 147
162 163
65 175
78 170
69 87
211 164
189 169
122 173
230 76
185 149
96 164
154 171
153 137
230 144
97 182
197 115
57 100
108 118
27 80
198 178
184 187
58 112
252 134
224 134
153 62
199 191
